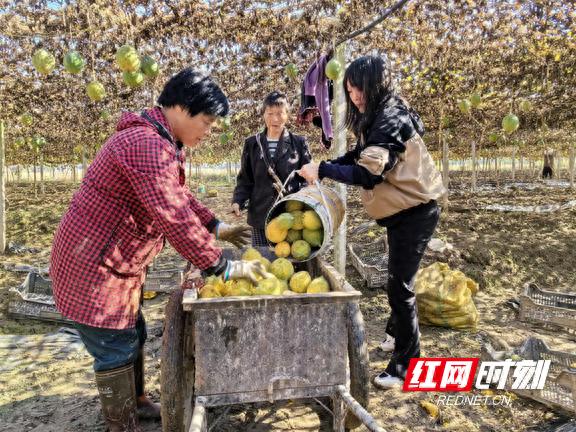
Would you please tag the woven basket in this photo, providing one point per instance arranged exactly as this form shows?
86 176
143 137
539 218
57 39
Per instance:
559 392
371 261
548 307
163 280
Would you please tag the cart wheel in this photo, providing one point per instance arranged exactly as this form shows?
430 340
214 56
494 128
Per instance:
359 362
177 367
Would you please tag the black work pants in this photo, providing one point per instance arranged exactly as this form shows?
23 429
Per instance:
408 235
547 172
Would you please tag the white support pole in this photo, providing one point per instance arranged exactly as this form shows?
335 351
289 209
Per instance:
84 162
35 176
514 164
42 186
572 163
2 190
339 110
445 164
445 171
473 166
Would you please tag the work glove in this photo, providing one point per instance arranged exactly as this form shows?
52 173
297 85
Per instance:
238 235
253 270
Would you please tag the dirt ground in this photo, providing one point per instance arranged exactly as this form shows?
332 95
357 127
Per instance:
501 251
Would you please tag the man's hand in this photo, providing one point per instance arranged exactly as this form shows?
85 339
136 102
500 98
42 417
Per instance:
238 235
309 172
236 209
253 270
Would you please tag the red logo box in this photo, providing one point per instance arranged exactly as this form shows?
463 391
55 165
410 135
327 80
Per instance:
440 374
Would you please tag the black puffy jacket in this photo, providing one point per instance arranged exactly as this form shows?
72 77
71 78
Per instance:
254 187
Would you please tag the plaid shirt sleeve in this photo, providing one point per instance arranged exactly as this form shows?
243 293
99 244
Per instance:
152 168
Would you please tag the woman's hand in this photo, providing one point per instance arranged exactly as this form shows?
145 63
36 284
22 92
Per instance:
236 209
309 172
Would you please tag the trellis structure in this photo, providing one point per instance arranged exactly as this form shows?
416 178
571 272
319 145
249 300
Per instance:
507 51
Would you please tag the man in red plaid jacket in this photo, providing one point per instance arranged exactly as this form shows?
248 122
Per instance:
132 199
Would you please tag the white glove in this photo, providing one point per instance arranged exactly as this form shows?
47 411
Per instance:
245 270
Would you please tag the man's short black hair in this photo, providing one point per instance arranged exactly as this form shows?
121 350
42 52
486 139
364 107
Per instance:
195 93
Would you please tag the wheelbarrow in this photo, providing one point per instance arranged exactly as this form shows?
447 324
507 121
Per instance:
239 350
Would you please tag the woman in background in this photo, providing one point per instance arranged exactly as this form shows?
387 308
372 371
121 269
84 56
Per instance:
268 158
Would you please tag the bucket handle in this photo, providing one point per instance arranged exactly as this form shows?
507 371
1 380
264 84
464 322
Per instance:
317 183
280 194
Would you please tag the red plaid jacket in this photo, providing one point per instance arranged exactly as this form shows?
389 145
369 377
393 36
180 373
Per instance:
132 198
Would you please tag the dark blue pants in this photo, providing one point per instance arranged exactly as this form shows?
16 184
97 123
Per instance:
112 348
408 235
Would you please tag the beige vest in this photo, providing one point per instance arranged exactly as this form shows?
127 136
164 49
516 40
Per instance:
413 181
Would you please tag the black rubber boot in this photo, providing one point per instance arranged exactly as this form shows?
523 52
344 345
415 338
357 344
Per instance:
118 398
146 409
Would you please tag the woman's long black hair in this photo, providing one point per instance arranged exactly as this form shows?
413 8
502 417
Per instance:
373 76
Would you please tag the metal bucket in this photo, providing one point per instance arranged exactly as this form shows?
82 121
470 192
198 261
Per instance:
325 202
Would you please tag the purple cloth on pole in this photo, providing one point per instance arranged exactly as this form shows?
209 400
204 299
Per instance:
316 84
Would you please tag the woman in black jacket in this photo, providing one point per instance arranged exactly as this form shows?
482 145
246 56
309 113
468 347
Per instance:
268 158
400 186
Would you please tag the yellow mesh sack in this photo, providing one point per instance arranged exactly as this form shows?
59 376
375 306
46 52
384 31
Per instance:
444 298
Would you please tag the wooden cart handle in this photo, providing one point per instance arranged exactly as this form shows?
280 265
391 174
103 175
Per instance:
359 411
